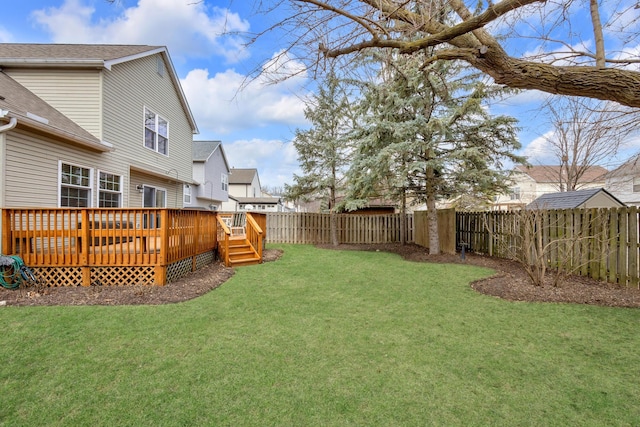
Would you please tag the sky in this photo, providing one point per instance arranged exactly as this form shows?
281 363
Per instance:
253 117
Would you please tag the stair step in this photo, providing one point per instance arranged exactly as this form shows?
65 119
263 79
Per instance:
244 261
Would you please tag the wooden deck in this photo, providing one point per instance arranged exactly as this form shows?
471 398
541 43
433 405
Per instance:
119 246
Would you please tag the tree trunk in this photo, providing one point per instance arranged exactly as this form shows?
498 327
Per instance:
403 219
432 214
333 218
432 224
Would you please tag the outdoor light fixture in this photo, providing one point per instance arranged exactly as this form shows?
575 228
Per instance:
140 188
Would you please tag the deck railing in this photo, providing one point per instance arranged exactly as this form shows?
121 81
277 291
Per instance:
92 237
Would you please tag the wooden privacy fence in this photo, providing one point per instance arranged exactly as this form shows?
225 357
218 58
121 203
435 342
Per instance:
446 229
315 228
599 243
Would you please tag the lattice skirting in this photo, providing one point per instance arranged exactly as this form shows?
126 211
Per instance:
122 276
118 276
58 276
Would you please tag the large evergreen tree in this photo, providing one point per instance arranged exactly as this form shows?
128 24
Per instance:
424 134
324 150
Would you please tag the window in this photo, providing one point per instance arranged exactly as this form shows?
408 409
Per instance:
154 197
110 190
160 65
156 132
225 182
187 194
515 193
75 186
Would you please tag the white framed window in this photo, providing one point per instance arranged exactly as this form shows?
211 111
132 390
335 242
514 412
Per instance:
515 193
75 186
153 197
225 182
156 132
109 190
186 191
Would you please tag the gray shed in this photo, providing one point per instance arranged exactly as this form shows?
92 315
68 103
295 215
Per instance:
591 198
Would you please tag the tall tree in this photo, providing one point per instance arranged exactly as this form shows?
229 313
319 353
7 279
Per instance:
324 150
424 133
586 133
488 36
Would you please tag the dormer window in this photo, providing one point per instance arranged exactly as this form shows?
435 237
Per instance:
156 132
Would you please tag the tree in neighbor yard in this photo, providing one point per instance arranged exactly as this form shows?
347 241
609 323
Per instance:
555 47
423 133
586 133
324 150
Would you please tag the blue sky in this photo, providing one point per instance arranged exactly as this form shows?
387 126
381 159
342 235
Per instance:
255 124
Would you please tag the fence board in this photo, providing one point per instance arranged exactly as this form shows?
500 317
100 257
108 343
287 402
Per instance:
599 243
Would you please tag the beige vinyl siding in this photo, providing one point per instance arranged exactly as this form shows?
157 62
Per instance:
129 88
75 93
31 176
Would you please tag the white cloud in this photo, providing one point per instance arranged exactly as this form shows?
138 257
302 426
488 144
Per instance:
5 36
229 101
187 28
540 152
275 160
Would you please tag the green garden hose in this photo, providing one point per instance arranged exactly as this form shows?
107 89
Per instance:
11 267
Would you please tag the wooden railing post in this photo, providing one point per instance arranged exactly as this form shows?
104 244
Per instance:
6 246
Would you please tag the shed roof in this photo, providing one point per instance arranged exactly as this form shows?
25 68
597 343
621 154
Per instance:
569 199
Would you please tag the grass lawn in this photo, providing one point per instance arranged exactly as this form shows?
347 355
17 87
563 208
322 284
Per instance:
324 338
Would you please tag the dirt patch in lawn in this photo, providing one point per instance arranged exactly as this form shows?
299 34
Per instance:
510 282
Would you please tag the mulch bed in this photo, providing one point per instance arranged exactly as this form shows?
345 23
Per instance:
510 282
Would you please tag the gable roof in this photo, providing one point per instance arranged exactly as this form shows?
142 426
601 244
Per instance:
99 56
569 199
33 112
242 176
551 173
56 55
203 150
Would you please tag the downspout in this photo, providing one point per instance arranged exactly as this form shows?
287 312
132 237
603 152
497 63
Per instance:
3 144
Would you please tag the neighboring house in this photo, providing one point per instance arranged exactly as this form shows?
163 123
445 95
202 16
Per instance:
210 175
587 199
245 193
531 182
624 182
92 126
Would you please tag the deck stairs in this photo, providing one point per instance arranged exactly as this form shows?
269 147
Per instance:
241 253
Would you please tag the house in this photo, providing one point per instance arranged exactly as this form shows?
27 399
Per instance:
581 199
624 182
245 193
530 182
210 175
92 126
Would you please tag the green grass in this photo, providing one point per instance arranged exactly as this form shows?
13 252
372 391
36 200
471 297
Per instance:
324 338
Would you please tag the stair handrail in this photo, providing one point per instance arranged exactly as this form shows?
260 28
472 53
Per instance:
254 234
224 234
